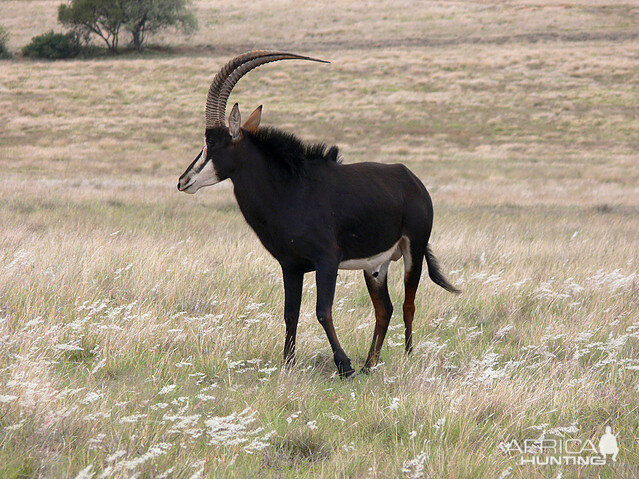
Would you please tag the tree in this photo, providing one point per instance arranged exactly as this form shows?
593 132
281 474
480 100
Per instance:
101 17
145 17
106 18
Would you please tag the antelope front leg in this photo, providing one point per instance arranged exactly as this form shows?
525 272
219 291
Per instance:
292 298
325 277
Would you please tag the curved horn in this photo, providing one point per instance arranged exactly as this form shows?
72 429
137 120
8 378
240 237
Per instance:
218 81
230 74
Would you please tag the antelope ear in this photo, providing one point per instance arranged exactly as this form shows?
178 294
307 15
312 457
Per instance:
235 121
253 122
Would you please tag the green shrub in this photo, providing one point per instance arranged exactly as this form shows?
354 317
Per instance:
53 46
4 38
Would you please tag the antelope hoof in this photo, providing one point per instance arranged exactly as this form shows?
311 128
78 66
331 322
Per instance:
346 371
343 365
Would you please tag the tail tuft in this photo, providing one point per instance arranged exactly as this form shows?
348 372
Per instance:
436 274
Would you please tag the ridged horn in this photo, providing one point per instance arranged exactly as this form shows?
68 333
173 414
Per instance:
230 74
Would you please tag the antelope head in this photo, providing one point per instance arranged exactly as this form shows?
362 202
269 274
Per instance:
219 156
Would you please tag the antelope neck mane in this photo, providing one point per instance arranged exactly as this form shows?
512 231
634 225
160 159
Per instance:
290 152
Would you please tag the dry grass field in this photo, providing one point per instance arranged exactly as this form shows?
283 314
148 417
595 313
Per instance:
141 329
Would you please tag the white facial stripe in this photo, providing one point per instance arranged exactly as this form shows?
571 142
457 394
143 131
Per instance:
202 174
200 162
207 176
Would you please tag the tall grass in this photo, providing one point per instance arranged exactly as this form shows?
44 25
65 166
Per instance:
141 330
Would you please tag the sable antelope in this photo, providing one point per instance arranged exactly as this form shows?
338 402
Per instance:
313 213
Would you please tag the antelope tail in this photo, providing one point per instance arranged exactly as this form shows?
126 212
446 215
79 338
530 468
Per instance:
435 272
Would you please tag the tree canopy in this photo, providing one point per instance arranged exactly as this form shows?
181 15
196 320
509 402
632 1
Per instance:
103 18
145 17
107 18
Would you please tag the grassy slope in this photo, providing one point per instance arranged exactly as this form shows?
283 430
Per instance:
113 286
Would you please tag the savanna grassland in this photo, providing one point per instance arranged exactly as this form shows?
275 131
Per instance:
141 329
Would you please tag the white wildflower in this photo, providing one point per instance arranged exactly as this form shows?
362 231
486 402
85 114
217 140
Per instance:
335 417
232 429
116 455
91 397
182 422
99 366
389 379
68 347
106 472
16 426
348 447
259 443
414 468
563 430
86 473
253 306
167 389
205 397
34 322
614 280
584 336
180 400
197 474
21 259
97 415
97 439
154 451
131 419
167 473
505 473
295 415
503 331
616 343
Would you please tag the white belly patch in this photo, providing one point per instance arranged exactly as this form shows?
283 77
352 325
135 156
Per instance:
374 263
